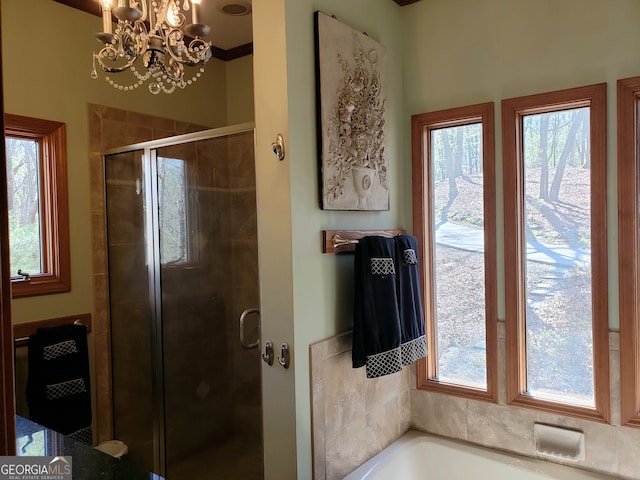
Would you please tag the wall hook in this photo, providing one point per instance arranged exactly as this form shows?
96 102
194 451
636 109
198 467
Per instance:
284 358
278 147
267 355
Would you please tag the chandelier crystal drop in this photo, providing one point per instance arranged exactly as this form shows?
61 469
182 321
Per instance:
153 41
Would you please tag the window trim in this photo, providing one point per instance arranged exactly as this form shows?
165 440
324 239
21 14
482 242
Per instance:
51 137
628 259
422 125
513 110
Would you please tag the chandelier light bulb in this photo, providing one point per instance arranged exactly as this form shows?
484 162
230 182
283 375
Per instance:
173 17
195 19
106 4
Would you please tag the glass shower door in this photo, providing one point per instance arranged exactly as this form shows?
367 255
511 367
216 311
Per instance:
135 408
208 273
183 265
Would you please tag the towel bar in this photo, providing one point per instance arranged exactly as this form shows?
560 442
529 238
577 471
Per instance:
338 241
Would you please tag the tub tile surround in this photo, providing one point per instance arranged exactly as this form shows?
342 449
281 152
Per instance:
353 417
610 449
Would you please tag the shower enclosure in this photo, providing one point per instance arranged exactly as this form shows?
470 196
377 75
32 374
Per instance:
183 266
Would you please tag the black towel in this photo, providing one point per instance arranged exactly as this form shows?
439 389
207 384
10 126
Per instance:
388 325
58 389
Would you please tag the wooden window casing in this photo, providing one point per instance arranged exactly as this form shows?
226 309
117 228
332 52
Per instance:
513 111
51 137
422 126
629 248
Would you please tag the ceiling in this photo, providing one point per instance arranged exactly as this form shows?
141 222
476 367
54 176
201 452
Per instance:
227 31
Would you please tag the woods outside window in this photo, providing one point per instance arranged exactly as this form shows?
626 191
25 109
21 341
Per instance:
454 221
38 206
554 156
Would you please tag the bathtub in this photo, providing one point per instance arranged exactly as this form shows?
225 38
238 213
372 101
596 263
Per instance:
419 456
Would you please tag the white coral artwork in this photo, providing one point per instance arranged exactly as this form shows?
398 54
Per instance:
353 107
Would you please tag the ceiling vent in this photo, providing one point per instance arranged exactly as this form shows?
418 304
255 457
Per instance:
236 9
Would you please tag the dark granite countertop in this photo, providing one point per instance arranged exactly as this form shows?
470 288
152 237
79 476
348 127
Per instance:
87 462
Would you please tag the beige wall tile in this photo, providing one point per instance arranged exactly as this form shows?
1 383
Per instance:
383 426
380 391
502 364
344 399
100 317
346 403
629 452
439 414
104 419
614 376
502 427
404 408
102 348
346 449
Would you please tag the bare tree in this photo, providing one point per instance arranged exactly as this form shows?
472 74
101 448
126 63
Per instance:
543 153
569 145
450 162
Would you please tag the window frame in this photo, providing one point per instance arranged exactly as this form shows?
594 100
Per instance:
513 110
628 100
54 221
422 126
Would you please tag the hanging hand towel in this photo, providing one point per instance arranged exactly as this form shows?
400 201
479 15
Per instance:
58 390
388 330
414 344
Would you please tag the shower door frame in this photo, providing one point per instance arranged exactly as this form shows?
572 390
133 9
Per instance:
149 178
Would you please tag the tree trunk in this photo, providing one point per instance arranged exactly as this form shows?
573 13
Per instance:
585 151
459 153
554 192
448 153
544 157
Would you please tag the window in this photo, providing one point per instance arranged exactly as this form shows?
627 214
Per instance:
628 237
454 221
554 156
173 211
38 210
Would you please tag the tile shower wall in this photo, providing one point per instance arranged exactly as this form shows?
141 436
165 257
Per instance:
353 417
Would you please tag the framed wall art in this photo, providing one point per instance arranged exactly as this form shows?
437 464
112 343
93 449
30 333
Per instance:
352 111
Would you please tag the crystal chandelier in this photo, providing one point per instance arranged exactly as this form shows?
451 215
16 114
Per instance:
153 34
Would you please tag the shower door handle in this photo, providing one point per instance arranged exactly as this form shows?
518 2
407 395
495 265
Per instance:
243 317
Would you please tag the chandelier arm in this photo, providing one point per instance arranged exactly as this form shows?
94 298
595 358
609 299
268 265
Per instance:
145 10
175 75
111 53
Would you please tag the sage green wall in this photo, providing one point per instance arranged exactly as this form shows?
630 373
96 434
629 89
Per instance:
307 295
442 54
239 75
47 51
470 51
